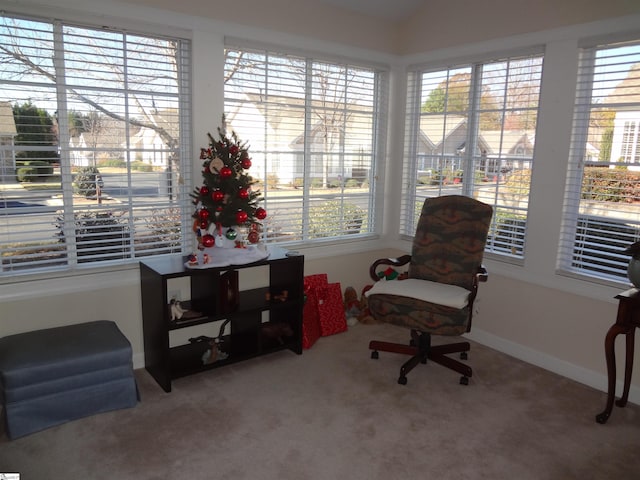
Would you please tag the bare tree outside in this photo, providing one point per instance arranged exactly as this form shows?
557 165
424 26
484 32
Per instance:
87 67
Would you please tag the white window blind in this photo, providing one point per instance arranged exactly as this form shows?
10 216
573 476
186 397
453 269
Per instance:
94 145
602 201
470 130
314 130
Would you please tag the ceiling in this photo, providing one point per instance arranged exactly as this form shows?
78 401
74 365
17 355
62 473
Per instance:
394 10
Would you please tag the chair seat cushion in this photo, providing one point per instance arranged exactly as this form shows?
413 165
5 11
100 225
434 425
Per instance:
439 293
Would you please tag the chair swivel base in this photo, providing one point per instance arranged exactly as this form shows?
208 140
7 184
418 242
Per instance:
421 350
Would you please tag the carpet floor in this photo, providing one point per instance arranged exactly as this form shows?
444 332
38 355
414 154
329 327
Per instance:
334 413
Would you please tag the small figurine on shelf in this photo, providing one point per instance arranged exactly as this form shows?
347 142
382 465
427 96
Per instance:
282 297
213 353
179 313
176 310
277 331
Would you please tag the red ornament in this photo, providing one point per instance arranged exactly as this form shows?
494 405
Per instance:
208 241
233 149
226 172
246 163
204 224
253 237
261 213
203 214
243 193
217 195
241 217
204 190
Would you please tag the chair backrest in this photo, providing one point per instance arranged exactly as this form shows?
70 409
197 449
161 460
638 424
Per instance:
450 239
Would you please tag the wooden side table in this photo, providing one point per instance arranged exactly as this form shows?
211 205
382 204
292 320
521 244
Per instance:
626 322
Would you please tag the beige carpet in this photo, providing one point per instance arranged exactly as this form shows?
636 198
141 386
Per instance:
333 413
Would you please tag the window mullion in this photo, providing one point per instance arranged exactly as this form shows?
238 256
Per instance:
308 101
473 128
64 138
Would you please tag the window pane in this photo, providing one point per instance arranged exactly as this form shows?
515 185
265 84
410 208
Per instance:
313 129
471 131
602 213
92 147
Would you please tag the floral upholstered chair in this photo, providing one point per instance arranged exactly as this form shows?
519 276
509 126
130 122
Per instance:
436 298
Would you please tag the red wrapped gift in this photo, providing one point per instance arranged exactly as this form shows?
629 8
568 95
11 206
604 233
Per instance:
310 314
324 308
331 310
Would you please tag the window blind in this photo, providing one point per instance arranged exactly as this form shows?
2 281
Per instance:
315 131
602 201
471 131
94 145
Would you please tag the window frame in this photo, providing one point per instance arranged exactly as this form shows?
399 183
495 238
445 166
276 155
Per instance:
411 200
592 245
305 237
178 187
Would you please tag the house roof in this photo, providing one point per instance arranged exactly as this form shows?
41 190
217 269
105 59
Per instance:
437 127
506 141
628 90
7 124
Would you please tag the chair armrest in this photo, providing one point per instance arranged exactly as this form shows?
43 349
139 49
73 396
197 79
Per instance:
482 275
395 262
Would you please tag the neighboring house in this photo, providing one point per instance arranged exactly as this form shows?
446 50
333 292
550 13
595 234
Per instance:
148 145
276 140
8 133
625 145
77 151
443 141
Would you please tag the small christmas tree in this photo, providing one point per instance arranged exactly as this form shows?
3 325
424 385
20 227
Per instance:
226 198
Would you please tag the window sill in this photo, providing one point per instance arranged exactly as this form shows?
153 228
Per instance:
59 283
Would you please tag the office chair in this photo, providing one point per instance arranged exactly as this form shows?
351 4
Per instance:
436 298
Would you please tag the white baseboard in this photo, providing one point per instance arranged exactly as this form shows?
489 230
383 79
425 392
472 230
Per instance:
555 365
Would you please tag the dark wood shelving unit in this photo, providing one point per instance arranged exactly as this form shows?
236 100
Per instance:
246 335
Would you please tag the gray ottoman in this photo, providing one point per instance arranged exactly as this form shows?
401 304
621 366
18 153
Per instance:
51 376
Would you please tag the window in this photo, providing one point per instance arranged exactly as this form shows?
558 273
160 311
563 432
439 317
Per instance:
470 130
602 205
94 145
315 131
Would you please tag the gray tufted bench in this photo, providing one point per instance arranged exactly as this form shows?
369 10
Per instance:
51 376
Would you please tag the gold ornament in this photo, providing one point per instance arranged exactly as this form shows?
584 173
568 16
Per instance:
216 164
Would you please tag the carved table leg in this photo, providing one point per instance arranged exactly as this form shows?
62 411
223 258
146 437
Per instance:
609 343
628 368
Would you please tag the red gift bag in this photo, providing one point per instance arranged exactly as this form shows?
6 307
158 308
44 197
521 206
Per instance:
331 310
310 314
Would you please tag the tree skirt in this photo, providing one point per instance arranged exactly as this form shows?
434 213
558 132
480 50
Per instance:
223 257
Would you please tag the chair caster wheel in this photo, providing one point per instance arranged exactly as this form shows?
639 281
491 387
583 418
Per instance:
464 356
464 380
375 355
402 380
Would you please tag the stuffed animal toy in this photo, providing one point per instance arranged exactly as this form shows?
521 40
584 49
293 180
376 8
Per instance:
351 306
365 314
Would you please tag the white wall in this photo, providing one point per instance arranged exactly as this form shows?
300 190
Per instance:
526 310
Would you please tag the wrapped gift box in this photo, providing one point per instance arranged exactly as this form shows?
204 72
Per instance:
323 311
310 314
